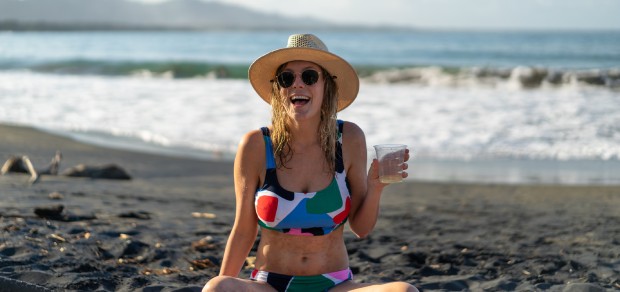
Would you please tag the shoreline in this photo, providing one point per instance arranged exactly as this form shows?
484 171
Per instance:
166 228
511 171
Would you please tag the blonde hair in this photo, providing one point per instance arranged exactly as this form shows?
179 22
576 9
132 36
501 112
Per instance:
327 132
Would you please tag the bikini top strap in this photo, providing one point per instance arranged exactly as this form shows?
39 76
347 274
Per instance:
339 158
271 161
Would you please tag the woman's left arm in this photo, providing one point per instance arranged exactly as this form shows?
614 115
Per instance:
365 187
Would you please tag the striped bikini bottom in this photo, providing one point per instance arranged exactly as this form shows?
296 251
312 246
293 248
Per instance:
285 283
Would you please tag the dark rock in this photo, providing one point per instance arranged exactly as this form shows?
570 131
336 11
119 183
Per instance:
86 267
8 251
428 271
416 258
543 286
135 249
49 212
143 215
55 212
110 171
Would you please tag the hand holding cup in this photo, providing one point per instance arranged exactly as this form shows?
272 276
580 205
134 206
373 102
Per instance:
391 159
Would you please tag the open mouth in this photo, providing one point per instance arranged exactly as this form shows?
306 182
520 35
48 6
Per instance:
299 100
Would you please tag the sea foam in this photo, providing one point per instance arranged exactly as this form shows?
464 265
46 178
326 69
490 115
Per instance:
207 117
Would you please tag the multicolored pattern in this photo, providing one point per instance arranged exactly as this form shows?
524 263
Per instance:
316 213
285 283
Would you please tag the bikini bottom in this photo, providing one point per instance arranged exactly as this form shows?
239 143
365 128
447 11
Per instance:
285 283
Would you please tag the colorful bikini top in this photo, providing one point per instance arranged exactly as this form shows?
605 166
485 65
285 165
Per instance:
316 213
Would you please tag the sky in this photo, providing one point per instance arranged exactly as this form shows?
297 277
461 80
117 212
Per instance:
451 14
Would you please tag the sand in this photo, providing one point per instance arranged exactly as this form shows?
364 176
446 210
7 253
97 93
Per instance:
165 229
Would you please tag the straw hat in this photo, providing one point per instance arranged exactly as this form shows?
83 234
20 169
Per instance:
305 47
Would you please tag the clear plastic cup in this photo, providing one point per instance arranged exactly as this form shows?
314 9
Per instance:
391 158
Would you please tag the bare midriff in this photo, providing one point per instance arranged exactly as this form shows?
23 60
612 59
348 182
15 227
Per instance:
297 255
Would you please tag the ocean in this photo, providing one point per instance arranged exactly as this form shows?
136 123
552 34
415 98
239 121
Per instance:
507 107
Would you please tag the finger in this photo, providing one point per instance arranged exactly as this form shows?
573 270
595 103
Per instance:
373 171
405 166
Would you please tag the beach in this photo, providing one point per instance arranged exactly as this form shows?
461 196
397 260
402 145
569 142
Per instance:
166 228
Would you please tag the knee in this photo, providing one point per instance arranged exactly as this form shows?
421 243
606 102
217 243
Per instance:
401 286
411 288
219 283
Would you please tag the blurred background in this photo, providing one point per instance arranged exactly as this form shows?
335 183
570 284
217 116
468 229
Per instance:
483 90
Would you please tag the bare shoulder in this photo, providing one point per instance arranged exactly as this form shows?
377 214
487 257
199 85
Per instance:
353 134
251 139
251 152
354 148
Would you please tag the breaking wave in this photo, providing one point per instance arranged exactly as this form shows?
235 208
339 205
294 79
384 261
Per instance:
517 77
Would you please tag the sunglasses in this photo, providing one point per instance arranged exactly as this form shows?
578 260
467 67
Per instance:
287 78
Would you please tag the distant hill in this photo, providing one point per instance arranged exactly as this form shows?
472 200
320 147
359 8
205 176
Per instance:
123 14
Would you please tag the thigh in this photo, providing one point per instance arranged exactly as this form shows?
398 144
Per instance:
360 287
225 283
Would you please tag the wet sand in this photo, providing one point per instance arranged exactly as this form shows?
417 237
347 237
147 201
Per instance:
165 229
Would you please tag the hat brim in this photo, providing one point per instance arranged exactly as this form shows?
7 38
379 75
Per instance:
263 70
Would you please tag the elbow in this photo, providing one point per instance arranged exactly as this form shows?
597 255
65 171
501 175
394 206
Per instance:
361 232
361 227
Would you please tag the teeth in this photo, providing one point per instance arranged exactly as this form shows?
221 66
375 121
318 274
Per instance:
294 98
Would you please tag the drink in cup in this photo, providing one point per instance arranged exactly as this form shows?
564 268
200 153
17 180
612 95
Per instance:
391 158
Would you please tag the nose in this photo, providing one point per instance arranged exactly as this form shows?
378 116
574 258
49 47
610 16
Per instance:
298 82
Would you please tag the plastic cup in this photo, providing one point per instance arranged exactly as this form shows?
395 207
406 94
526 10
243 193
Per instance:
391 158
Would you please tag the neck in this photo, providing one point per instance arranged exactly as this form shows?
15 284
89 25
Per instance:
304 133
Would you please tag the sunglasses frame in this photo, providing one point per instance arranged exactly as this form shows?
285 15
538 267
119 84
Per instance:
307 79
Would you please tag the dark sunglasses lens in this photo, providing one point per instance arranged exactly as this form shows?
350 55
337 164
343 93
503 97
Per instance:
310 77
286 79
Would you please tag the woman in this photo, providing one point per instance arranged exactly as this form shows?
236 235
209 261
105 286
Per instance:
302 178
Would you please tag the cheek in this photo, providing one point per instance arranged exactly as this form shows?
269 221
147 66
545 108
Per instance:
318 93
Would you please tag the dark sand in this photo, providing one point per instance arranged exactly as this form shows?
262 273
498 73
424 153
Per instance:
146 234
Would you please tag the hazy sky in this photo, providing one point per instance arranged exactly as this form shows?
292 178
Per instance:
451 14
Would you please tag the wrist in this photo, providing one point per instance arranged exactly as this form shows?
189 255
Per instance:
375 189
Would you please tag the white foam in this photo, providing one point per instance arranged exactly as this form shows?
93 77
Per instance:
519 77
437 122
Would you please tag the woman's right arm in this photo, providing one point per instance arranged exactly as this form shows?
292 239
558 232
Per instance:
249 164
